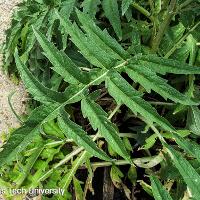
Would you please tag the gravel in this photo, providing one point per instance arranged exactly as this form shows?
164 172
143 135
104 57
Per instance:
7 119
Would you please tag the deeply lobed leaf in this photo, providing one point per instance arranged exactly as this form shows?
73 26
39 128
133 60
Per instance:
102 38
98 119
150 81
38 91
75 132
89 48
62 64
163 65
124 93
23 136
112 13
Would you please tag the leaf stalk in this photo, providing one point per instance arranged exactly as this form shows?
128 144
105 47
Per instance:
143 11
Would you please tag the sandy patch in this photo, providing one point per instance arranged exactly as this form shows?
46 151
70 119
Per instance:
7 119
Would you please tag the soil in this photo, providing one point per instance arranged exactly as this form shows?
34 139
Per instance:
7 118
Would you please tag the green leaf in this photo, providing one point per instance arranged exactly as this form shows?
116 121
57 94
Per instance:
23 136
127 144
193 49
67 8
147 188
189 146
111 10
150 141
132 174
11 44
31 37
111 151
99 120
187 51
102 38
75 165
159 192
39 91
78 189
158 6
150 81
51 128
172 36
187 17
189 174
125 5
193 120
75 132
116 175
30 162
90 7
124 93
62 64
88 47
163 65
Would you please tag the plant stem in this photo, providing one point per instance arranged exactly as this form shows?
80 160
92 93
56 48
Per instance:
158 38
143 11
114 112
173 49
106 164
128 135
12 108
141 162
161 103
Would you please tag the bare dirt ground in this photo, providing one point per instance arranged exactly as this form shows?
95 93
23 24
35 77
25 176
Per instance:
7 118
